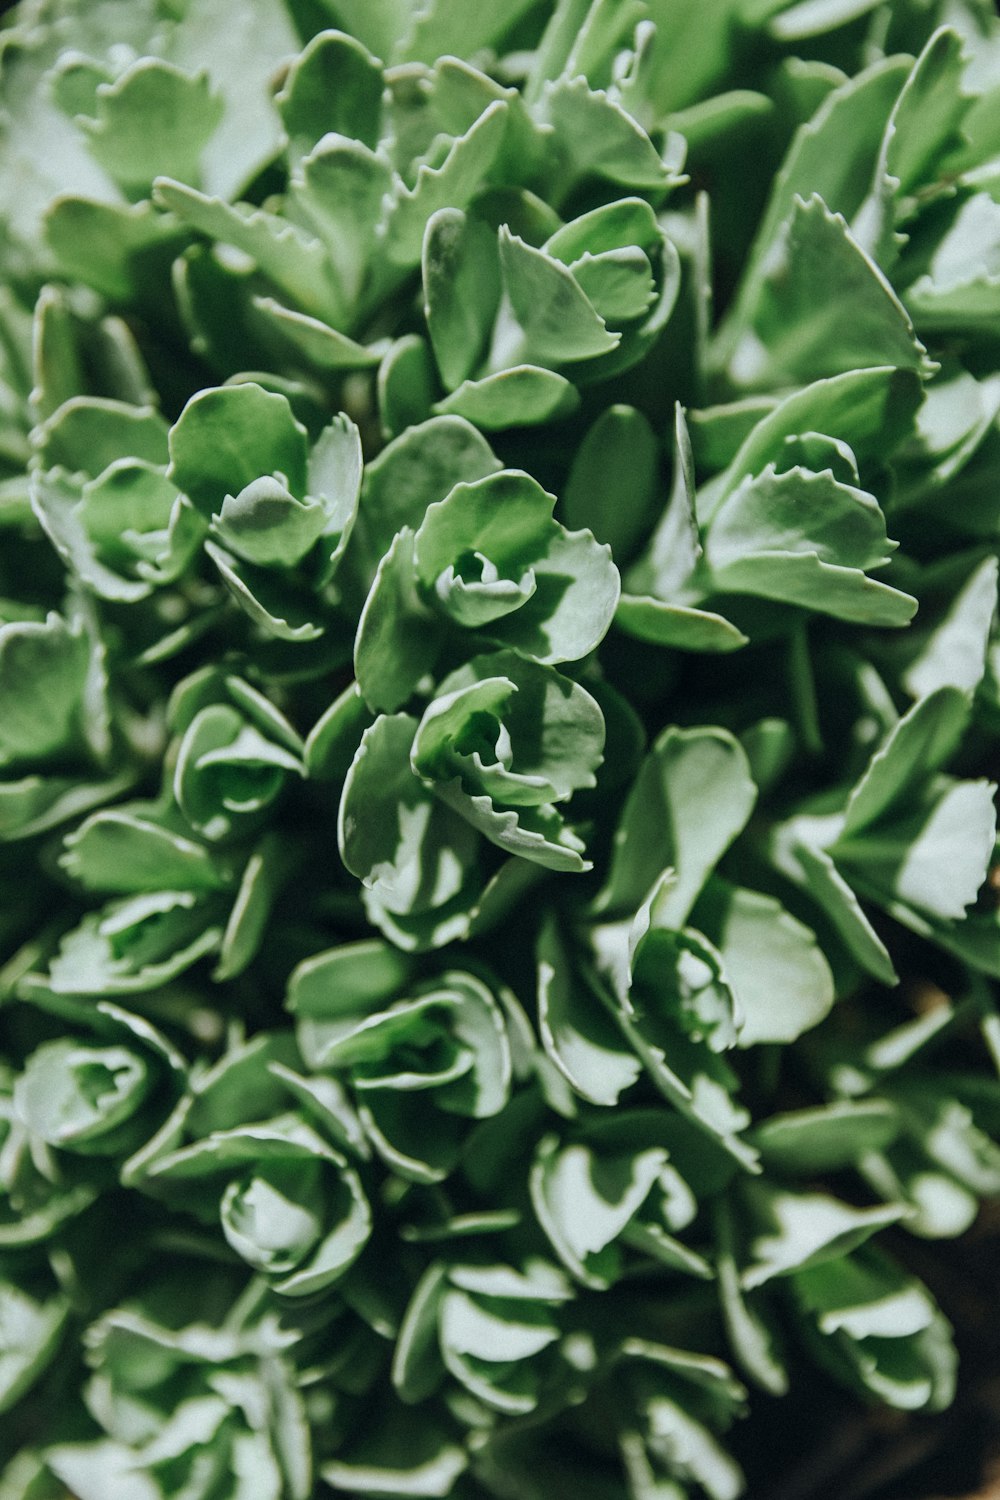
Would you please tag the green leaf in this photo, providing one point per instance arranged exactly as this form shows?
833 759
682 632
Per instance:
597 138
461 279
414 853
919 745
677 625
32 1331
577 1031
827 1137
339 195
585 1199
523 396
121 850
130 946
934 856
406 1456
555 591
691 798
265 524
453 184
399 636
809 865
831 154
793 1231
557 320
780 979
227 772
43 689
87 433
612 483
504 740
226 438
954 651
794 336
869 409
285 612
293 259
752 1332
420 466
334 85
798 511
301 337
153 120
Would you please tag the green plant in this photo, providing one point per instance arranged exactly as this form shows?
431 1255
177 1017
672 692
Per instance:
498 675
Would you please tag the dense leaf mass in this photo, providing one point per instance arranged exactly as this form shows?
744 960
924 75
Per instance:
499 676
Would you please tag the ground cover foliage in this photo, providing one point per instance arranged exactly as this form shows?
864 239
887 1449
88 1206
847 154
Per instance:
499 680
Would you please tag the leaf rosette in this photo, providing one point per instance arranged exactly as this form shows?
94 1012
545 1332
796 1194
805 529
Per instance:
516 326
503 743
211 1404
36 1196
281 508
288 1204
101 1096
420 1063
612 1193
494 1329
103 496
489 559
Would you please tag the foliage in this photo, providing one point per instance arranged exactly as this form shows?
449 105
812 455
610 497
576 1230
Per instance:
499 675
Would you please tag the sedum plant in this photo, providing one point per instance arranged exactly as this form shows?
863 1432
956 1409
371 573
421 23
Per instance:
499 680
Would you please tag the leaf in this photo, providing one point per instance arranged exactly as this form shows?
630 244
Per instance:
226 438
505 739
597 138
241 53
557 320
585 1199
461 279
136 944
264 875
409 1456
831 154
793 1231
339 193
935 856
612 482
827 1137
334 85
303 337
780 979
399 637
919 745
751 1331
576 1030
555 591
795 336
453 184
954 652
32 1331
692 796
420 466
294 260
811 866
677 625
284 612
869 409
43 671
119 850
154 119
394 834
798 511
523 396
